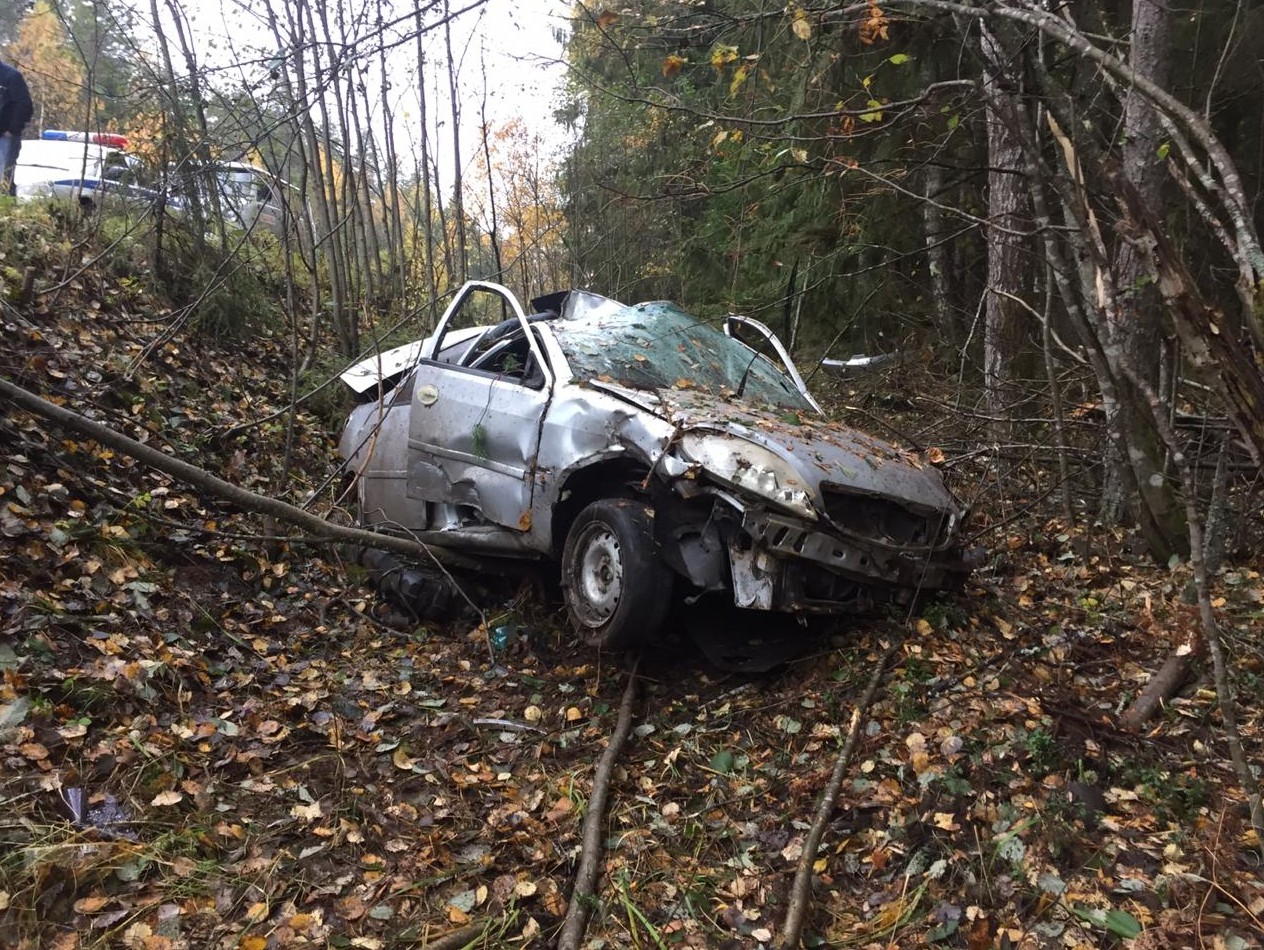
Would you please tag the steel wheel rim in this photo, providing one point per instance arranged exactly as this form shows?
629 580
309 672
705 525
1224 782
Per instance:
597 575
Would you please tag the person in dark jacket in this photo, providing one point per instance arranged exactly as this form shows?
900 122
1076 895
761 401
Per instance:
15 111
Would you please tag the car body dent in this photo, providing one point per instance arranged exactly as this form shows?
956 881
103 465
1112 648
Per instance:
821 450
783 508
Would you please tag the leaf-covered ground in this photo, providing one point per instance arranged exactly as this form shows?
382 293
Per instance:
213 736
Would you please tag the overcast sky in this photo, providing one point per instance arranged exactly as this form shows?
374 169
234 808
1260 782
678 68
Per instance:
517 40
524 68
523 53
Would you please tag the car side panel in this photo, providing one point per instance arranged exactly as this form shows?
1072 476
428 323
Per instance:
378 455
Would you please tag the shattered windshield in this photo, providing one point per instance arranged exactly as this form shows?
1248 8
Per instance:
659 346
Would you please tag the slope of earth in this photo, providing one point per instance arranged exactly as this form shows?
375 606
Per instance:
211 736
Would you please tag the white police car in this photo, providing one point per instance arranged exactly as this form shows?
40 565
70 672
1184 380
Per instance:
83 167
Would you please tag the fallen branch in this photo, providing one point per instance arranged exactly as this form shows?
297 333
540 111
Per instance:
1163 685
200 478
246 500
456 939
590 852
801 890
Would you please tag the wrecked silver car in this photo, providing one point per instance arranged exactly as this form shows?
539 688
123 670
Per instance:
639 448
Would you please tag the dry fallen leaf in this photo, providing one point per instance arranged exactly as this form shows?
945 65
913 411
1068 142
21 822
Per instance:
90 905
350 907
525 888
138 935
402 760
457 916
307 812
169 797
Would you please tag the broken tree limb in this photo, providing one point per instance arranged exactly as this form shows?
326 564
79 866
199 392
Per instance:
456 939
200 478
594 817
1162 686
801 890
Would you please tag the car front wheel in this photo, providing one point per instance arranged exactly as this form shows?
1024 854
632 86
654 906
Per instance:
617 589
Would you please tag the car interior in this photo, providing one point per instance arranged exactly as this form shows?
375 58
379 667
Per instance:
502 351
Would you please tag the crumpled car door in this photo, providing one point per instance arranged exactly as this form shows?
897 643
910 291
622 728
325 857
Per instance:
474 426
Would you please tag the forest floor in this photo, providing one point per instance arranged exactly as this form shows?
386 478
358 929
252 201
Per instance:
213 737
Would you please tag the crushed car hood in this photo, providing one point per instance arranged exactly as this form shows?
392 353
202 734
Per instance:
823 452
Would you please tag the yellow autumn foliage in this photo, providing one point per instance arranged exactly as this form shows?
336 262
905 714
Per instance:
54 73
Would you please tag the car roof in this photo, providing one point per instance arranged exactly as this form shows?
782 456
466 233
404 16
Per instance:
49 160
60 153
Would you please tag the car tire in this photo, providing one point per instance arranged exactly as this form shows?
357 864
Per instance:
616 588
423 594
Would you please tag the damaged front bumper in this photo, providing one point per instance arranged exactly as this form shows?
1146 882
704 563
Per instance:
779 562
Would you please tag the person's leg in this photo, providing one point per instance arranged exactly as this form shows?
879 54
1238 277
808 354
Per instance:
9 147
15 149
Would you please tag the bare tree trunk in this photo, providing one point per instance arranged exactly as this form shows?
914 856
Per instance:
204 169
1055 398
427 211
361 188
295 40
1135 321
934 238
801 890
1158 517
1007 217
177 127
302 219
1136 324
494 231
458 200
340 173
586 875
200 478
393 217
320 144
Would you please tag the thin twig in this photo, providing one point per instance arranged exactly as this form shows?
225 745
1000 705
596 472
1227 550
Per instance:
801 890
590 853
